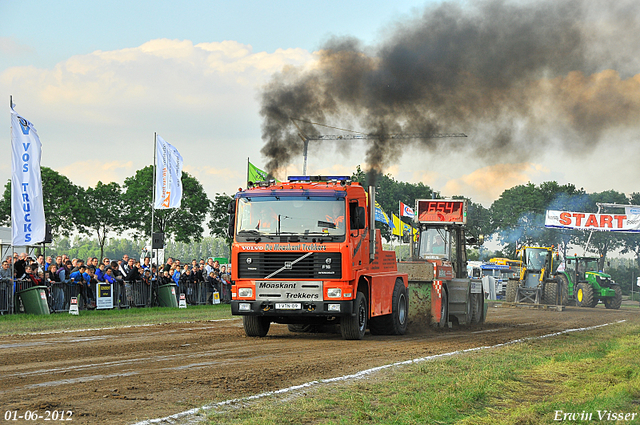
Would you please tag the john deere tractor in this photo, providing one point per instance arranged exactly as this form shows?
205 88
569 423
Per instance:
536 283
581 281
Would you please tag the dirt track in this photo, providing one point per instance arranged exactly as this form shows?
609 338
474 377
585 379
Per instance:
122 376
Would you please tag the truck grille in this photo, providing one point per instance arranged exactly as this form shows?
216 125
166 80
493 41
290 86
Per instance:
318 265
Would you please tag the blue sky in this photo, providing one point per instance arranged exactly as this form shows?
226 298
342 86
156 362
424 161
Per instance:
98 78
50 32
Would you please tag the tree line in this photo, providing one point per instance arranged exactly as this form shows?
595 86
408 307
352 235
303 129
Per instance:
514 220
111 208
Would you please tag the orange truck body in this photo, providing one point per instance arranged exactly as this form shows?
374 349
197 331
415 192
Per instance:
313 275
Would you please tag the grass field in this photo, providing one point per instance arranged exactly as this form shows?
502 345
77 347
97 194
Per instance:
535 382
25 323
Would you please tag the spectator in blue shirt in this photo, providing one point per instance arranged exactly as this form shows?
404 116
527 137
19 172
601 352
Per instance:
176 276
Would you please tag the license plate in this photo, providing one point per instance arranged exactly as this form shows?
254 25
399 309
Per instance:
288 306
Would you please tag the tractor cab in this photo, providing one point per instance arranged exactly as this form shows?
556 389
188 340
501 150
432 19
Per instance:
536 277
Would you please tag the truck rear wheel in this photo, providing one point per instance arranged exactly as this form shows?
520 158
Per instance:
354 327
512 286
396 322
584 295
614 302
255 325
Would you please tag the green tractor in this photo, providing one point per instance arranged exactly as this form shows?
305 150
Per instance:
581 281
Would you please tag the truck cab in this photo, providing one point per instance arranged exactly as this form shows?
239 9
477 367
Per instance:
306 252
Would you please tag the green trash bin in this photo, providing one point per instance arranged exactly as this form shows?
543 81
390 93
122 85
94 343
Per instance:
167 295
34 300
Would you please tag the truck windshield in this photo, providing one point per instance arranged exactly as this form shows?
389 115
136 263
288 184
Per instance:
272 216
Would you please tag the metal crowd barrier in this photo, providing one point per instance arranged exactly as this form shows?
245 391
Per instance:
195 292
125 294
132 294
6 296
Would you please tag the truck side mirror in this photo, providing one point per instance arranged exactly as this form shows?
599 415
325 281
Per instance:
359 219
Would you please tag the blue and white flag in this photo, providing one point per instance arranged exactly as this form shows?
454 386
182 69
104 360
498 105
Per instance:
382 216
168 175
27 209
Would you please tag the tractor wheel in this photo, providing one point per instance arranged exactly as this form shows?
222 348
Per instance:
512 286
564 284
615 301
255 325
300 328
477 308
444 310
354 327
584 295
550 295
396 322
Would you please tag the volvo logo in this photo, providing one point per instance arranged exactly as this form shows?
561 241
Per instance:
249 260
288 265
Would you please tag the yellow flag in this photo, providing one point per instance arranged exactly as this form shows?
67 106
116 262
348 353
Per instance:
397 226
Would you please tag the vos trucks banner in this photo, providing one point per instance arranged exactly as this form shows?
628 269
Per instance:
588 221
27 209
168 175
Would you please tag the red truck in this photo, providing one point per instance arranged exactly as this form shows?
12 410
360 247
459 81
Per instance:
306 253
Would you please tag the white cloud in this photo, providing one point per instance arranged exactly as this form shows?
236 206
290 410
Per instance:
96 113
485 185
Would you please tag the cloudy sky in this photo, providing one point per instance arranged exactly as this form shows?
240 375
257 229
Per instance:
98 78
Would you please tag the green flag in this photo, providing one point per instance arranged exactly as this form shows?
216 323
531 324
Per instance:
254 174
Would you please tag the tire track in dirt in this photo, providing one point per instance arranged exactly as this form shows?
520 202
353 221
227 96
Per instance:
119 376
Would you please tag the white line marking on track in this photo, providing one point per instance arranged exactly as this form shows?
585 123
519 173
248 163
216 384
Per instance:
357 375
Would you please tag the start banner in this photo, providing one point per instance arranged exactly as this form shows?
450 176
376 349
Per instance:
588 221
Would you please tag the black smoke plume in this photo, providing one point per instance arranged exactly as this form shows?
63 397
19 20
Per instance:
515 76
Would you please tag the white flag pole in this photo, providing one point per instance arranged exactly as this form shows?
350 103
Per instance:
153 183
12 247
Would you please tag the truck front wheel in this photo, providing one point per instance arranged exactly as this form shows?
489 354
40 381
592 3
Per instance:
354 327
255 325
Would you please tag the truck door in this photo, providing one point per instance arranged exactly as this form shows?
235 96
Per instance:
357 232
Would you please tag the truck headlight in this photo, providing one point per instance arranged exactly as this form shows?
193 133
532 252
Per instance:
334 292
334 307
244 307
245 292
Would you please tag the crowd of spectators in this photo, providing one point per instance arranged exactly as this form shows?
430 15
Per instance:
74 271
